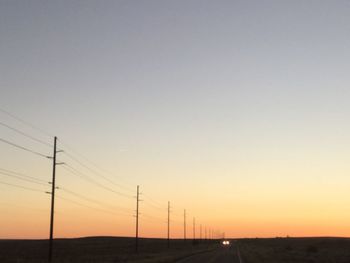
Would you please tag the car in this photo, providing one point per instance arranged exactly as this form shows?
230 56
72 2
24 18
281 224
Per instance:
225 242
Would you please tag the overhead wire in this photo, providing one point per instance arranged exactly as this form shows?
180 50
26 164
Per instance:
90 207
24 148
96 172
25 134
26 123
152 217
95 165
23 187
177 215
149 201
88 178
23 175
154 206
155 203
23 179
88 199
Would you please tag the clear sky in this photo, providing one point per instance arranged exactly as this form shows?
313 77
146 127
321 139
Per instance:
237 111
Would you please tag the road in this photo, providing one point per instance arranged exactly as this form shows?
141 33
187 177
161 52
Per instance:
220 255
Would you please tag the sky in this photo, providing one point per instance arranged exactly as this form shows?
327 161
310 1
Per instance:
236 111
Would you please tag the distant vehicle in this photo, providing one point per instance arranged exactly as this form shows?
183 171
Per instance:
225 242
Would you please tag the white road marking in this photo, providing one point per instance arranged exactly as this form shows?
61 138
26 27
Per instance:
239 255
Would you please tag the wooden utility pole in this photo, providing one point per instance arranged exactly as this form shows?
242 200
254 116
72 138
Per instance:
53 189
194 229
185 224
53 184
168 224
137 220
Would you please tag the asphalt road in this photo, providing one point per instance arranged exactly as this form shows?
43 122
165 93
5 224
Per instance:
220 255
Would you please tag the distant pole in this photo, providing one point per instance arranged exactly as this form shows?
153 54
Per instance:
137 219
168 224
200 232
53 184
184 224
194 229
205 236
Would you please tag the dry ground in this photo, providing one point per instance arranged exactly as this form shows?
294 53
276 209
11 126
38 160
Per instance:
99 249
295 250
112 249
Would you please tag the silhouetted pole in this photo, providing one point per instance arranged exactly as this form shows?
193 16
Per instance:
53 183
185 224
194 229
137 220
168 224
200 232
205 233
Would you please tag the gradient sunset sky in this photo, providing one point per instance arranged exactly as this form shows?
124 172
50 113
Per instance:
237 111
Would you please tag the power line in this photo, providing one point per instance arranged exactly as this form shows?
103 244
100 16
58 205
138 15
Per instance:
153 217
23 175
25 134
23 187
87 178
26 123
154 206
151 201
24 148
96 166
95 172
23 179
154 203
93 200
84 176
87 206
177 215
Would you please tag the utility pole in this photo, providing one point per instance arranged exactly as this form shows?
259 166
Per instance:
53 184
205 233
168 224
137 219
200 232
194 229
185 225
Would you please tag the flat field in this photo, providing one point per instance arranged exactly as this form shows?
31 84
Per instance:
118 249
295 250
100 249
